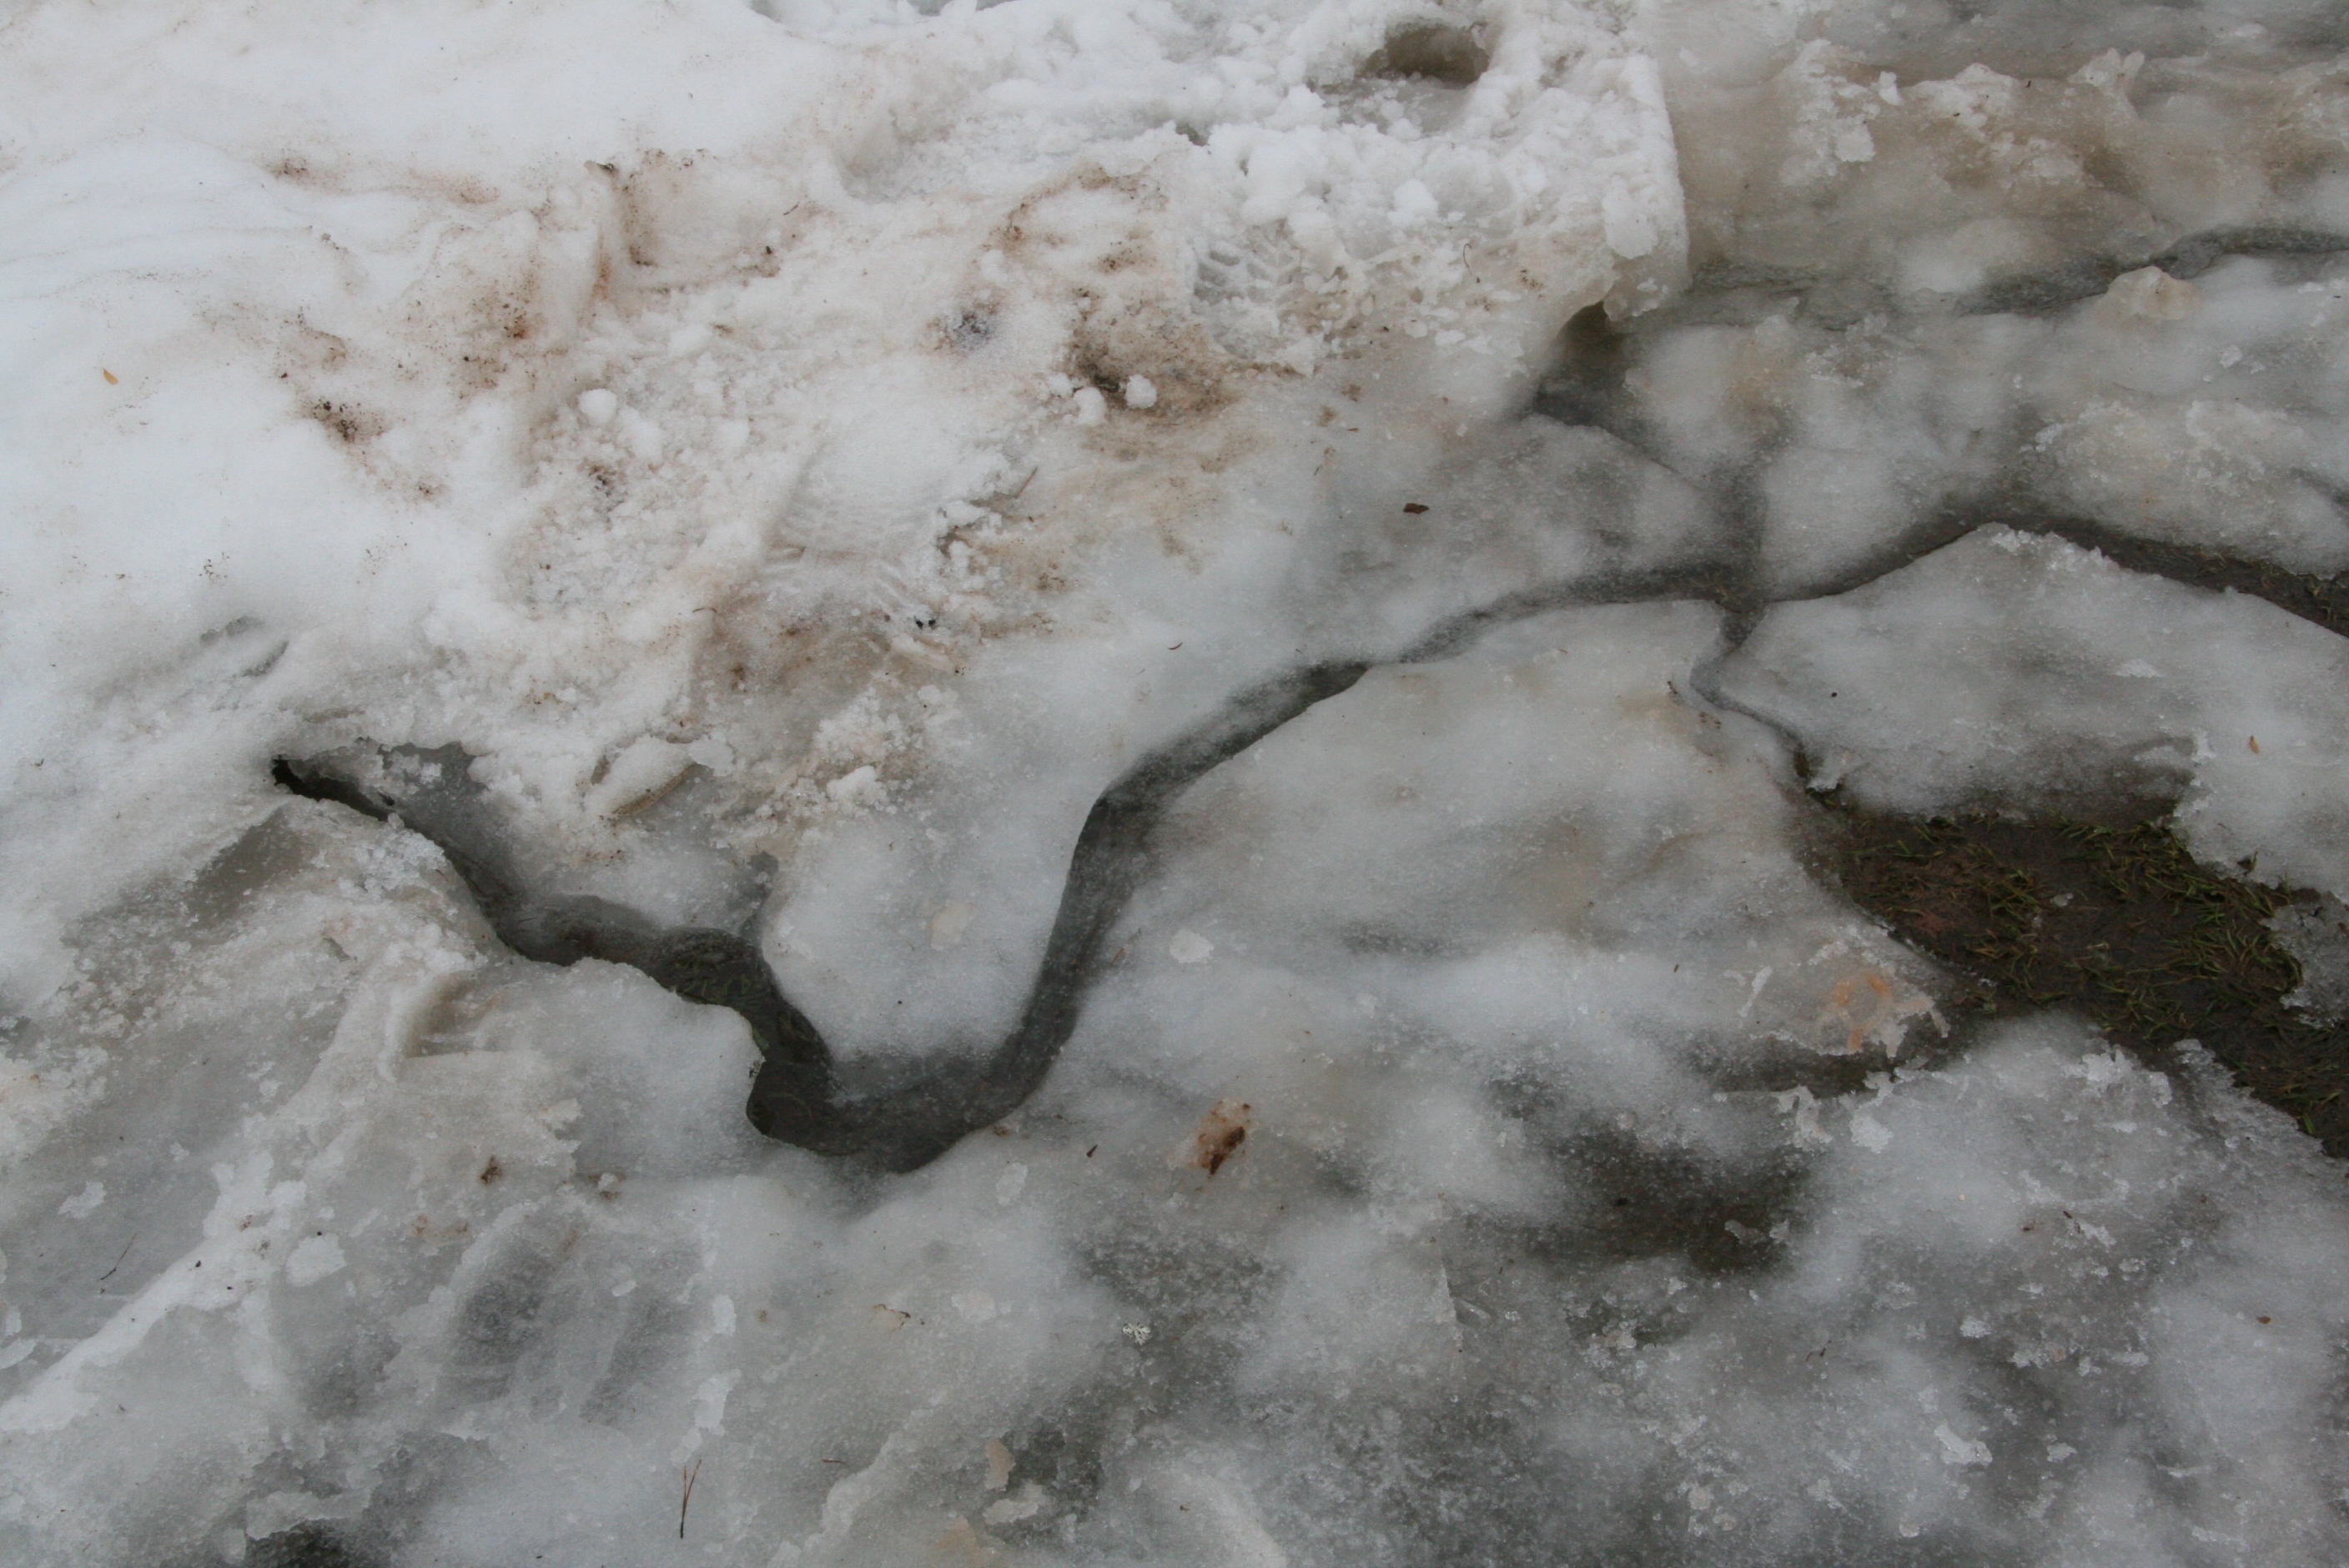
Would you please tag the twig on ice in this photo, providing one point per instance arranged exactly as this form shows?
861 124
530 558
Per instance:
686 1501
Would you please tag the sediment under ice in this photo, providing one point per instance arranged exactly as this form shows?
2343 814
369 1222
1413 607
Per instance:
794 459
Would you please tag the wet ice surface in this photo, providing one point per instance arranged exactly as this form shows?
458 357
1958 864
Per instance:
806 458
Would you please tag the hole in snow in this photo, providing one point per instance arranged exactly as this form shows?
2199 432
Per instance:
1438 51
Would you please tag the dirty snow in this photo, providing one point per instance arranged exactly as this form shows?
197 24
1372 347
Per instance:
806 452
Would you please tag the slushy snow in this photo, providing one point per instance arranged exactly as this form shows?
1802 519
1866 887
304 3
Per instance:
804 453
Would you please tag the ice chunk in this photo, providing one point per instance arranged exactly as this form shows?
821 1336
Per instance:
314 1258
1993 673
2317 937
642 772
2153 294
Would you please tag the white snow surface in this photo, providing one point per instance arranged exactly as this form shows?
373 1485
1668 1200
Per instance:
2023 670
806 453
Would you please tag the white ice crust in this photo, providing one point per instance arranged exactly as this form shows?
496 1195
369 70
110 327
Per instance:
2017 671
815 449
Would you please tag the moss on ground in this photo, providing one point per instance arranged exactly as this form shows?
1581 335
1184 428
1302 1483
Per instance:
2119 922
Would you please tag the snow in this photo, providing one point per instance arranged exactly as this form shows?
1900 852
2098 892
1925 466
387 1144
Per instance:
780 465
2014 669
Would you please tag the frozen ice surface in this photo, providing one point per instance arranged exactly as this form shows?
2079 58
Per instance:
2009 670
806 453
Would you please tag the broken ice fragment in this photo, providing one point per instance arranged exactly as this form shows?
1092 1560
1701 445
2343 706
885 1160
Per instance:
1010 1184
2149 293
645 770
949 922
316 1259
1958 1451
1025 1504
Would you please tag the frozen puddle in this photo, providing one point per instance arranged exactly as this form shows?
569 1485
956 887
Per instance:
814 784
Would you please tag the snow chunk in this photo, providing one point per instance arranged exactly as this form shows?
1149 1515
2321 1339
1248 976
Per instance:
640 774
1999 668
1958 1451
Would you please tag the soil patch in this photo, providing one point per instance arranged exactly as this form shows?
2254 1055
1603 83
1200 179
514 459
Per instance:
2117 921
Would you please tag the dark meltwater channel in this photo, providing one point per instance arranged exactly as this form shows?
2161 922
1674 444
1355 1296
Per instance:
798 1097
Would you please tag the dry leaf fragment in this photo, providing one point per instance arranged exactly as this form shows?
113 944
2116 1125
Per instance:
1220 1134
1874 1010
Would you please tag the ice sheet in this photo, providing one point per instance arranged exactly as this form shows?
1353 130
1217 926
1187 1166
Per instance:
803 454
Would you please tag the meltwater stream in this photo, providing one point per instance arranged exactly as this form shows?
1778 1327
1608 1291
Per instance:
797 1097
898 1116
